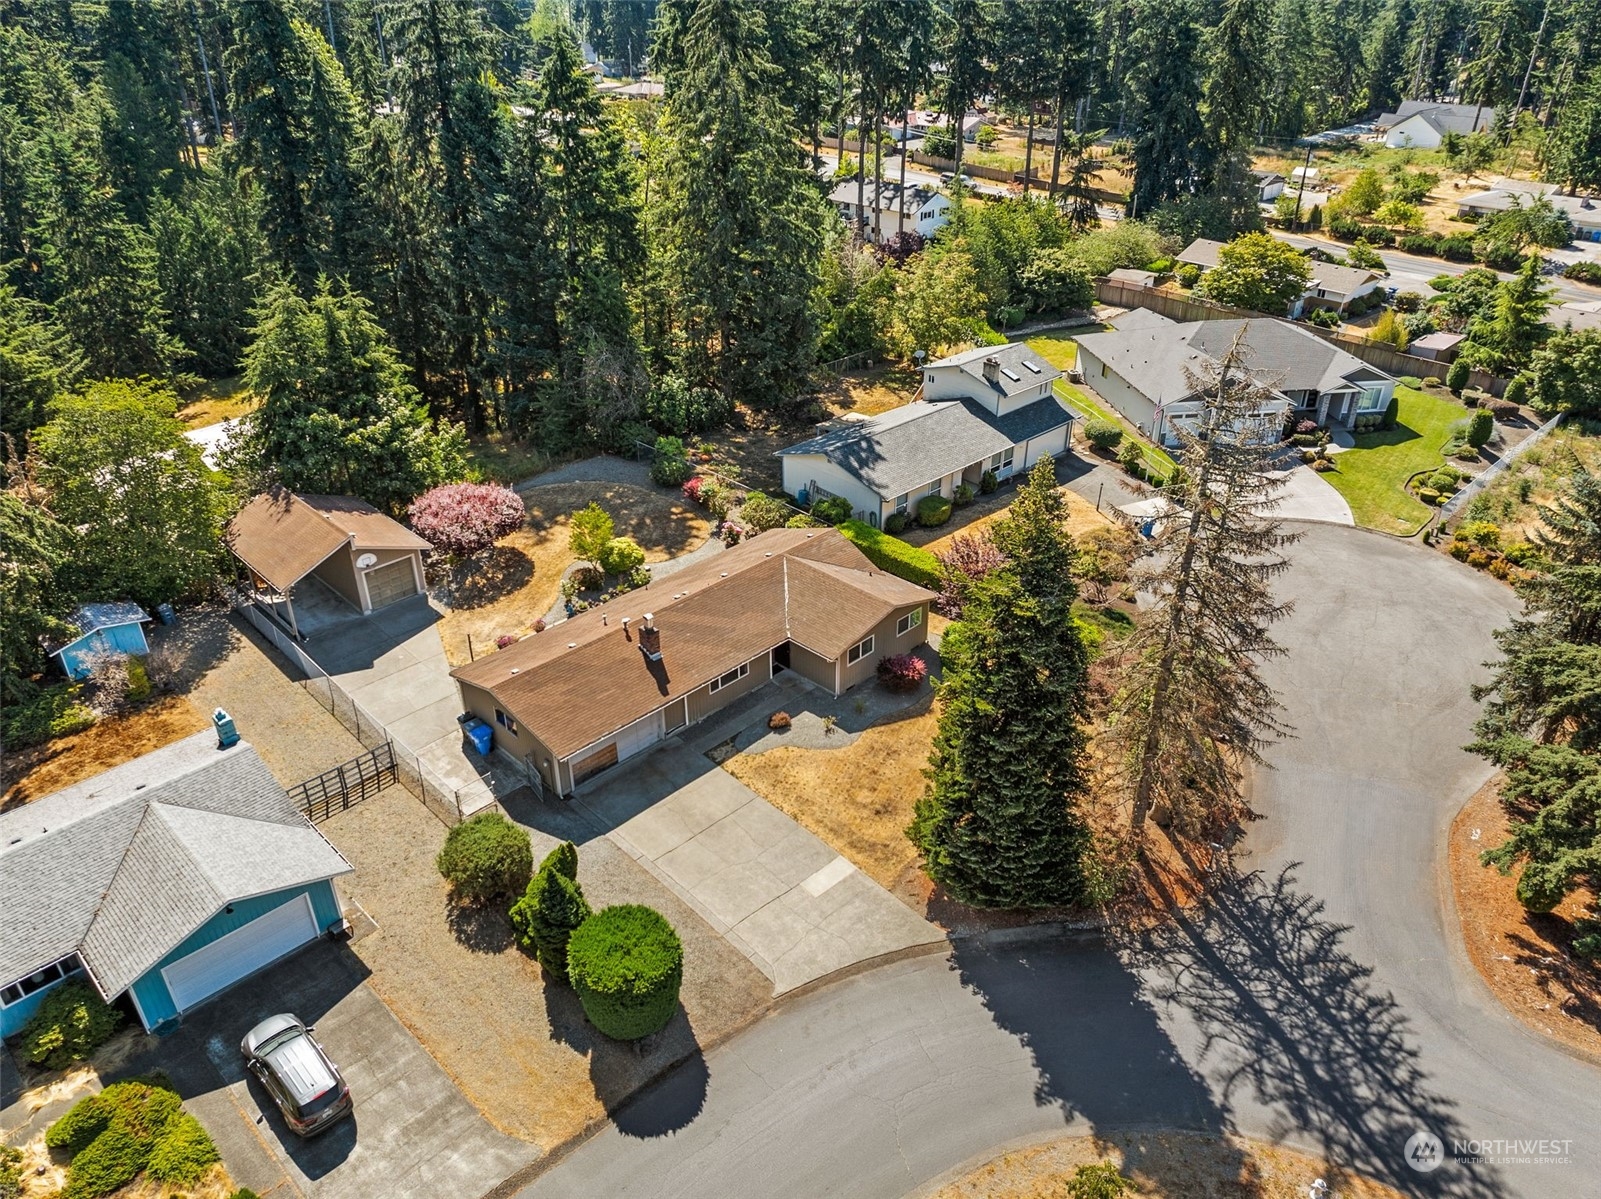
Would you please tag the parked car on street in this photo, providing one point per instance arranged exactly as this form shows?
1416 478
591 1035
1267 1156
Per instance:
298 1074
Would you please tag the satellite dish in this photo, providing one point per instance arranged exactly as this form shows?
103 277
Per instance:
367 560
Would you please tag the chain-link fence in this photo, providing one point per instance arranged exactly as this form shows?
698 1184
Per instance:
1495 470
443 800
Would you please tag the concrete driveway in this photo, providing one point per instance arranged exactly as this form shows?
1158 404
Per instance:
1307 495
412 1131
793 906
393 664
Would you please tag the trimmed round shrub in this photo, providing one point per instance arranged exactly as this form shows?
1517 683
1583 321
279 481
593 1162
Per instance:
833 510
486 857
895 522
1480 428
621 555
1102 434
987 483
933 510
1517 391
627 964
1187 274
761 512
462 519
801 521
1456 378
72 1021
962 496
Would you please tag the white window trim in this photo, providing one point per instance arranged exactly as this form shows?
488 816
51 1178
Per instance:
65 968
506 721
859 651
908 622
737 673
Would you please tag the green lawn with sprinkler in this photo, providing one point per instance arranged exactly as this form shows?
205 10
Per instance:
1373 476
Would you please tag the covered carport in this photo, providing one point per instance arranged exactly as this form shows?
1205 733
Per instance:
312 559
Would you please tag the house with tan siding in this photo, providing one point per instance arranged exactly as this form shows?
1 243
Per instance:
573 701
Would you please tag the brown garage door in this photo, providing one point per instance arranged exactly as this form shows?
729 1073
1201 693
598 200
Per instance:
390 582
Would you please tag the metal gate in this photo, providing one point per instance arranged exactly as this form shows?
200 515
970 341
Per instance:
346 785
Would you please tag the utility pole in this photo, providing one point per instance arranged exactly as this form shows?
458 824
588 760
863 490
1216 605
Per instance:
1306 169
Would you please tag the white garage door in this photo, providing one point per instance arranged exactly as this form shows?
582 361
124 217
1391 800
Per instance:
639 735
248 948
390 582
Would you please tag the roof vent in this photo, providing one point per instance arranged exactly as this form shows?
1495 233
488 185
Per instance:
516 669
768 554
572 645
724 575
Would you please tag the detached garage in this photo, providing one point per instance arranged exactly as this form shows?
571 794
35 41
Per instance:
335 547
169 879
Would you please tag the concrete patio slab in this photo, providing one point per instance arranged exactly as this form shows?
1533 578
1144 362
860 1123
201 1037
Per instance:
789 902
1307 495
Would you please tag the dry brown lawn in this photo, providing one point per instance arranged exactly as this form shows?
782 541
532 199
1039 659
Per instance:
858 799
44 769
1525 958
215 401
1081 518
507 589
1165 1165
870 392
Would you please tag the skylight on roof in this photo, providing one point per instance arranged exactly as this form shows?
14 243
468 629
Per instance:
1033 366
1011 374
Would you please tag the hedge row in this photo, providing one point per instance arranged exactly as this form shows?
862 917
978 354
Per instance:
129 1127
893 555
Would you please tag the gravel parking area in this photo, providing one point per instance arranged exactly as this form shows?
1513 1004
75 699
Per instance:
520 1050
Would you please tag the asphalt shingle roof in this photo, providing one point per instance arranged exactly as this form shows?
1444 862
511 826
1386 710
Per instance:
1020 368
584 679
906 447
284 536
1151 355
123 866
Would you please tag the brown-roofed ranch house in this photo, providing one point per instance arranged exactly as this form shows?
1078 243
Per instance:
335 542
593 691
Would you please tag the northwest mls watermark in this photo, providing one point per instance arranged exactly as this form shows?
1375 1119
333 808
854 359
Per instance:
1425 1152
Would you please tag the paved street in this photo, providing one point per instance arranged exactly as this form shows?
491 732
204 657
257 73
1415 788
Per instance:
1325 1000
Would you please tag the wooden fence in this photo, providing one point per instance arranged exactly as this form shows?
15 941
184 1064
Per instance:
1121 294
346 784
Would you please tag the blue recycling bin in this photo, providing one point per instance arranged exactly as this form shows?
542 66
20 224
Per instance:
481 736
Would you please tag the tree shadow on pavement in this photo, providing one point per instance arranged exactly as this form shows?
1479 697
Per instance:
649 1088
1285 1013
1101 1053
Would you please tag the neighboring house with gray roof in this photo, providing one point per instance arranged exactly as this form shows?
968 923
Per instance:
1139 368
1424 123
891 209
165 879
988 409
1584 212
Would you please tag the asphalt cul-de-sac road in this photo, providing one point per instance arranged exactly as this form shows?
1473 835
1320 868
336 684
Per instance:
1323 1000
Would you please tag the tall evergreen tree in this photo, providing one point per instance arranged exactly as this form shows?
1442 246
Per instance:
1165 86
1573 153
36 362
35 549
1238 72
1191 709
965 40
337 414
998 824
737 231
300 132
1504 340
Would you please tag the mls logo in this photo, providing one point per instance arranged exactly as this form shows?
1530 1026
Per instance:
1424 1152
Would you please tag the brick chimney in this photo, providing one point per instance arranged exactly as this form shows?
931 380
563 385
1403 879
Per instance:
650 638
992 370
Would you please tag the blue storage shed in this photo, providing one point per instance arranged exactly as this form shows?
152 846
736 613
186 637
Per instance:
103 629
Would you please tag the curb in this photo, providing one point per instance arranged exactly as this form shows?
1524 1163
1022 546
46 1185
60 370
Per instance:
1022 935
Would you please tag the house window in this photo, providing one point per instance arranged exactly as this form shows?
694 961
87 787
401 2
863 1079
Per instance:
1372 400
933 488
729 679
1103 370
39 980
1008 457
506 722
908 622
995 462
901 502
858 651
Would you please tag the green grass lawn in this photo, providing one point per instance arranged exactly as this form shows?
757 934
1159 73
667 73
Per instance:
1061 351
1372 477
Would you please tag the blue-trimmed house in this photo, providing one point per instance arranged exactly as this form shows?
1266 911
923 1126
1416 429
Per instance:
100 629
166 879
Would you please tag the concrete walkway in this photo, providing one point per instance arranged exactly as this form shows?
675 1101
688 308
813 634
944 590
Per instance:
393 664
786 900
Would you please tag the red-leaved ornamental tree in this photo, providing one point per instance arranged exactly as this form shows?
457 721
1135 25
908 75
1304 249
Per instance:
969 558
462 519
